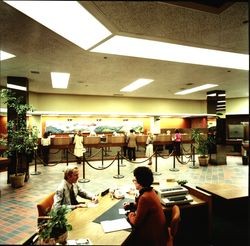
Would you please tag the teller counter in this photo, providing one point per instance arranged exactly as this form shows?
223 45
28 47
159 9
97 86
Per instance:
62 147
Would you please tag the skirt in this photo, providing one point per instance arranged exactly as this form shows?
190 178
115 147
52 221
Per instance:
149 150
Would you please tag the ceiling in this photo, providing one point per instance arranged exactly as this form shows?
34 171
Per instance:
39 50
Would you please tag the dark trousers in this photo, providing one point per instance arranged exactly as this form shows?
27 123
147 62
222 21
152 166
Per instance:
177 148
131 154
45 153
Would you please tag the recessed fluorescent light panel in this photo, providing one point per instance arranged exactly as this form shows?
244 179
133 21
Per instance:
198 88
60 80
136 85
5 55
143 48
67 18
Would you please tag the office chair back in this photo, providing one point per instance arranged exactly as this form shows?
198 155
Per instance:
173 228
44 206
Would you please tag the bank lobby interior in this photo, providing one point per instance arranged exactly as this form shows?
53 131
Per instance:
218 214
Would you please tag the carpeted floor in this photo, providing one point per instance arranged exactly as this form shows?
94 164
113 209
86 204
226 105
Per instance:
18 213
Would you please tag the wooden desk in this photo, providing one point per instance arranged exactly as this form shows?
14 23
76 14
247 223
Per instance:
230 213
82 219
225 191
83 227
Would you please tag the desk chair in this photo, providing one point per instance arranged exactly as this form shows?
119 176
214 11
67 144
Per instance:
173 228
44 207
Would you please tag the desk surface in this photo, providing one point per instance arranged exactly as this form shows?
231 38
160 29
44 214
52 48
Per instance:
83 227
225 191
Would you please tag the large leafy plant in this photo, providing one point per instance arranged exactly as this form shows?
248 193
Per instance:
202 142
21 140
56 225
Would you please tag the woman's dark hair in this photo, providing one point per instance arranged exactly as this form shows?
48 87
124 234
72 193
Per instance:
144 176
45 135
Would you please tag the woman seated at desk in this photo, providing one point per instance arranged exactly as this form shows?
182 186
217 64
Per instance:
146 215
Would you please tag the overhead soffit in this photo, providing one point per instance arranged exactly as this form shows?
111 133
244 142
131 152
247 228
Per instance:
39 49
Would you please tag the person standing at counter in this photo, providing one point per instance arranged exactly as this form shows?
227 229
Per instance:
45 142
177 142
149 147
146 214
68 190
131 146
78 149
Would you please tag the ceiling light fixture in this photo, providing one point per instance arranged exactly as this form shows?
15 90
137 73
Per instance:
5 55
67 18
136 85
60 80
16 87
198 88
143 48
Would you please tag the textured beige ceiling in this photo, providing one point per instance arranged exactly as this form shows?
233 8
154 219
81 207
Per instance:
39 49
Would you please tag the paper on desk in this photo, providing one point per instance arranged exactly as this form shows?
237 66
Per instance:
115 225
92 205
122 211
81 241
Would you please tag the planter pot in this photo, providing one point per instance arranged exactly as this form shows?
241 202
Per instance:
203 160
17 180
62 239
49 241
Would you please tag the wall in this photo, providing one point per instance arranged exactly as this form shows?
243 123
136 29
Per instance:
3 124
237 106
124 105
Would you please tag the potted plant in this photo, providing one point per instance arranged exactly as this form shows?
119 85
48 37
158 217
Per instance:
21 140
55 229
202 143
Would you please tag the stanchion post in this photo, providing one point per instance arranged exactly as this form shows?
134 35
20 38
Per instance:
193 157
102 157
83 180
67 156
118 176
156 158
122 165
174 169
35 172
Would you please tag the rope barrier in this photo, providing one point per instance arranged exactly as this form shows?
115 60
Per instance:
119 157
193 157
35 172
118 176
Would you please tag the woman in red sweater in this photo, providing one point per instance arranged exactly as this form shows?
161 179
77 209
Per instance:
146 215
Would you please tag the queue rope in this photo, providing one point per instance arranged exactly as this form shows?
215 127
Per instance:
42 162
89 156
95 153
102 168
